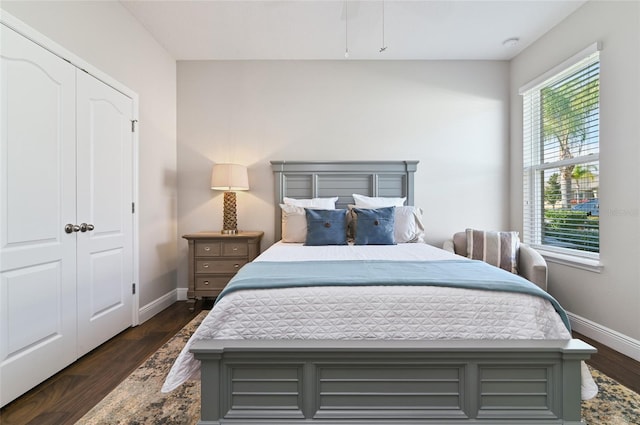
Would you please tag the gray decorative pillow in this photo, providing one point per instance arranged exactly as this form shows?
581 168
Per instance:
326 227
408 226
375 226
496 248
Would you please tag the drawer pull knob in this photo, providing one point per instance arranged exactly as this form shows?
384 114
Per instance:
205 266
206 248
206 282
235 266
235 248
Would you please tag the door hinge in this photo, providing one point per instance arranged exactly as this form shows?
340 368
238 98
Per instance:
133 208
133 288
133 125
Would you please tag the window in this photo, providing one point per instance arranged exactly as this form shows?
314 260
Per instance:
561 158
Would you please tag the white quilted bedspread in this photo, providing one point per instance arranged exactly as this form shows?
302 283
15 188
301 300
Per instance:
373 312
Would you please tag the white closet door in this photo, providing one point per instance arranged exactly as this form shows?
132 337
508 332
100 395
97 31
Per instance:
105 194
38 197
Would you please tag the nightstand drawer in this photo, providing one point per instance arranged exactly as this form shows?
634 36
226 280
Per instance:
235 249
212 283
208 249
219 266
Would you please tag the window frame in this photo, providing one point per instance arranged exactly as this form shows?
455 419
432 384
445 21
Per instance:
532 184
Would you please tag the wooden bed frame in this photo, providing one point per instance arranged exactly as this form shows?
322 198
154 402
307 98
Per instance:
384 382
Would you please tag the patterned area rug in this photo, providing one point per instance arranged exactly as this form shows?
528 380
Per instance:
138 400
615 404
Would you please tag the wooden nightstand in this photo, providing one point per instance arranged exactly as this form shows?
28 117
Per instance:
214 258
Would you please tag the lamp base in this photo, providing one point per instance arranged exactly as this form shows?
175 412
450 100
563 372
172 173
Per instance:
229 219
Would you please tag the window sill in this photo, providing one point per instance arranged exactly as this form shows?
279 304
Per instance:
589 264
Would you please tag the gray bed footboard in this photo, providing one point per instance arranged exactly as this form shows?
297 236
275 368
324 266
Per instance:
390 382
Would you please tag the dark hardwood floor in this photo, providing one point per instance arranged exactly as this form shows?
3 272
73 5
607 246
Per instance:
67 396
618 366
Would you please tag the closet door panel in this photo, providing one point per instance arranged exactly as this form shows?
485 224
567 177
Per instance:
105 194
37 188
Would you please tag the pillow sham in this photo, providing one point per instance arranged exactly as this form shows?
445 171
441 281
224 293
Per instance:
496 248
317 203
294 224
408 227
375 226
377 202
326 227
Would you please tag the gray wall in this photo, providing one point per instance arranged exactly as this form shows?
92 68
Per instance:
451 116
105 35
610 299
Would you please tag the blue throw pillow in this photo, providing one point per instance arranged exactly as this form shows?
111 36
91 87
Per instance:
326 227
375 226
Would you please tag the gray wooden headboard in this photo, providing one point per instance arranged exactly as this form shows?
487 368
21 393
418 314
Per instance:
323 179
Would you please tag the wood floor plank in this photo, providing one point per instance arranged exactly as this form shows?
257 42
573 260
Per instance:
51 418
67 396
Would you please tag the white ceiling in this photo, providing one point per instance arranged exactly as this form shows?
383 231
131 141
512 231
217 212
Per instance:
323 29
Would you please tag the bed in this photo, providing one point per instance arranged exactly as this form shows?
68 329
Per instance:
362 340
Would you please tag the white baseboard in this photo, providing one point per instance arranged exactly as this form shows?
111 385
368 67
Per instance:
621 343
182 294
146 312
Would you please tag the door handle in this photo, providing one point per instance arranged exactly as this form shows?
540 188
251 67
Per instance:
70 228
86 227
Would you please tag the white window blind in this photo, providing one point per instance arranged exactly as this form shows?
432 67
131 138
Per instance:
561 159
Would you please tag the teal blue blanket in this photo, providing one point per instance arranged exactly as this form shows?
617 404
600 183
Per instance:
468 274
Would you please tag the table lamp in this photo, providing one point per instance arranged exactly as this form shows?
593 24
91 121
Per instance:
230 178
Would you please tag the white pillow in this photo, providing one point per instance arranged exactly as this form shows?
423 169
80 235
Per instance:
408 225
294 224
316 203
377 202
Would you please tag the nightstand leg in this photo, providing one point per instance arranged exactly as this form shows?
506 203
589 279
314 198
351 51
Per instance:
191 303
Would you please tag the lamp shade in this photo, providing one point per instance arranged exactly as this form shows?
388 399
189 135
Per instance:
229 177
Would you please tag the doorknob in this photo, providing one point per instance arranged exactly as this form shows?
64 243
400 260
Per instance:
70 228
84 227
